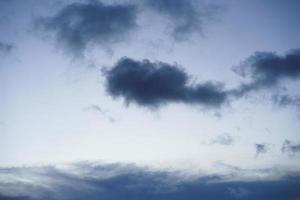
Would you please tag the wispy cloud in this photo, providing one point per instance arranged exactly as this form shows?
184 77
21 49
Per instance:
261 148
186 17
290 147
224 139
5 47
286 100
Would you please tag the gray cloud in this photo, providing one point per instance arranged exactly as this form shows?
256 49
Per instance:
153 84
261 149
239 193
224 139
286 100
5 47
290 148
186 16
117 181
79 25
267 70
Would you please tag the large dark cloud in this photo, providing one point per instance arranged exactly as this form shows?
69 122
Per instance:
185 16
79 25
152 84
119 182
290 147
267 70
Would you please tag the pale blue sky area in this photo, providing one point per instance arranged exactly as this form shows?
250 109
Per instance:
55 108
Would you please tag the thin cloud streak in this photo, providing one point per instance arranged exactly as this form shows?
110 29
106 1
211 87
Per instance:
103 112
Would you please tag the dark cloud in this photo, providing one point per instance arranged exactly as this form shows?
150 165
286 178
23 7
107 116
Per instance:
266 70
5 48
286 100
290 148
239 193
153 84
79 25
118 182
186 16
260 149
224 139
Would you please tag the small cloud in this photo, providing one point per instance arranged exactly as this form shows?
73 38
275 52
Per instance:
290 148
260 149
267 70
224 139
5 47
239 192
218 115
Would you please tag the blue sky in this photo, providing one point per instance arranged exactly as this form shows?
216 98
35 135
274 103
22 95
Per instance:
192 89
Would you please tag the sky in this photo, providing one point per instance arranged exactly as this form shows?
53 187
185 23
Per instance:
149 99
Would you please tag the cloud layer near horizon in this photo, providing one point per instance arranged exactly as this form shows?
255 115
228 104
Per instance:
116 182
